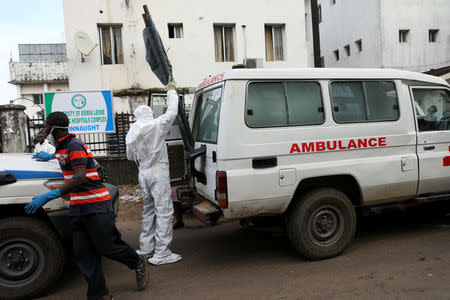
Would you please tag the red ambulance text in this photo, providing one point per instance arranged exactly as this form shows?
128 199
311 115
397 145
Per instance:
320 146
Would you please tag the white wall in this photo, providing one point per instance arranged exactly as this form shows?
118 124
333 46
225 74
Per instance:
192 57
346 22
418 16
26 90
377 23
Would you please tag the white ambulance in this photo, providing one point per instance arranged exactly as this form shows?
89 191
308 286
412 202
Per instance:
314 145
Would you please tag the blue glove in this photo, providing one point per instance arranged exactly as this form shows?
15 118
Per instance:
40 201
44 156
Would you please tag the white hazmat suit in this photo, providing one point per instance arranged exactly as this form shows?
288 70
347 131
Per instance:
146 145
44 147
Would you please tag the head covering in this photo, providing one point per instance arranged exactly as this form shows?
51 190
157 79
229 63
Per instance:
144 123
57 118
143 112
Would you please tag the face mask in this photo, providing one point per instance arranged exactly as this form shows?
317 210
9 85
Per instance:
50 136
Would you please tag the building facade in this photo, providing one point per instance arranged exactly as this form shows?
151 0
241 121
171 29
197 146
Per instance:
202 38
402 34
41 68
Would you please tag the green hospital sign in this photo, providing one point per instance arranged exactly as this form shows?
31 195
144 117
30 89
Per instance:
88 112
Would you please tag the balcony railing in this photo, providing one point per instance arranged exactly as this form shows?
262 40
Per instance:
27 72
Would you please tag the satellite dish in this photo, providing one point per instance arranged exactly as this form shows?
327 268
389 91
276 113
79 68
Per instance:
84 44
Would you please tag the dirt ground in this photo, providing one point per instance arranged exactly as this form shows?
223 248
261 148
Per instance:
130 203
396 254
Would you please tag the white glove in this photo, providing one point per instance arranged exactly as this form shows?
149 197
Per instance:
171 85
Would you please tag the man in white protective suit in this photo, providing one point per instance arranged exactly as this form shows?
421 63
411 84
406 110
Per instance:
146 145
43 145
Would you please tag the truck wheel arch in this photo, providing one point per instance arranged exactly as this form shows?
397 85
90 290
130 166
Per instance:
18 210
345 183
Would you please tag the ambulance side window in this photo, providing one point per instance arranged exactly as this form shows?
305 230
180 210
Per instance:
286 103
364 101
432 109
304 103
266 105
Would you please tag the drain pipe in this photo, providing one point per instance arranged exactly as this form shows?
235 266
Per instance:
245 43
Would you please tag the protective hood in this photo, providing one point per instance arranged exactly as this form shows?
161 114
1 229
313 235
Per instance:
146 138
143 112
144 123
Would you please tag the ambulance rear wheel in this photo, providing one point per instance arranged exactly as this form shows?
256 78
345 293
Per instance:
321 224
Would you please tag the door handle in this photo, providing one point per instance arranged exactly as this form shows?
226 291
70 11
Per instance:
265 162
427 148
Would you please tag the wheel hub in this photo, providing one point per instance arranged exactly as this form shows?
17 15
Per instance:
324 224
18 260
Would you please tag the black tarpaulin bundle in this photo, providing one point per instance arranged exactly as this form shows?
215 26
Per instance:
155 55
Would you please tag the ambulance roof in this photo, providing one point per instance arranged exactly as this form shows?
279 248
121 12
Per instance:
329 73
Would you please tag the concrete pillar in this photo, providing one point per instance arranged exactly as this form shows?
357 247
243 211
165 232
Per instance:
13 126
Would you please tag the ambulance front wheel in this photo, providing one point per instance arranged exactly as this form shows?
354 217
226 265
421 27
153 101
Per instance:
31 257
321 223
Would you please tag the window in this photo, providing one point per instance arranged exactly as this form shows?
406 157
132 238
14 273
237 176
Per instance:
37 99
432 109
111 44
332 2
362 101
158 104
403 36
283 104
175 31
347 50
358 44
274 42
432 35
336 55
224 42
320 13
207 116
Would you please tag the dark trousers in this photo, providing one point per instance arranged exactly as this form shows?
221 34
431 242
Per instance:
94 236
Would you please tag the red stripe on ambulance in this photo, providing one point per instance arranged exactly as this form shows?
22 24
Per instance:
319 146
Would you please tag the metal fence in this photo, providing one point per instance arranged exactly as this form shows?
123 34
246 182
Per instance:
34 126
116 141
1 139
99 143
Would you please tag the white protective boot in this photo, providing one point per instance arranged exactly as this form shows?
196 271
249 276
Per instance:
170 259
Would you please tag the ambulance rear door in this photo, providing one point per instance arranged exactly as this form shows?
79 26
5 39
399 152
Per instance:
205 130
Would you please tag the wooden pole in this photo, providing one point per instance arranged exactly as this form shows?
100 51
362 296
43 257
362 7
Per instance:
144 16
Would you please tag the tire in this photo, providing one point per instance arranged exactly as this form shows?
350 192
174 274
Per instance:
35 256
321 224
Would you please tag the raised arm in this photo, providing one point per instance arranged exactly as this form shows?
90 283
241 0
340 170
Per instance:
166 120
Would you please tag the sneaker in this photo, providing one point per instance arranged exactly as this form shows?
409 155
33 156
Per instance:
142 273
169 259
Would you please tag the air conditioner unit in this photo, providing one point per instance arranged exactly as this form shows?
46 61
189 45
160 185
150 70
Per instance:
253 63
